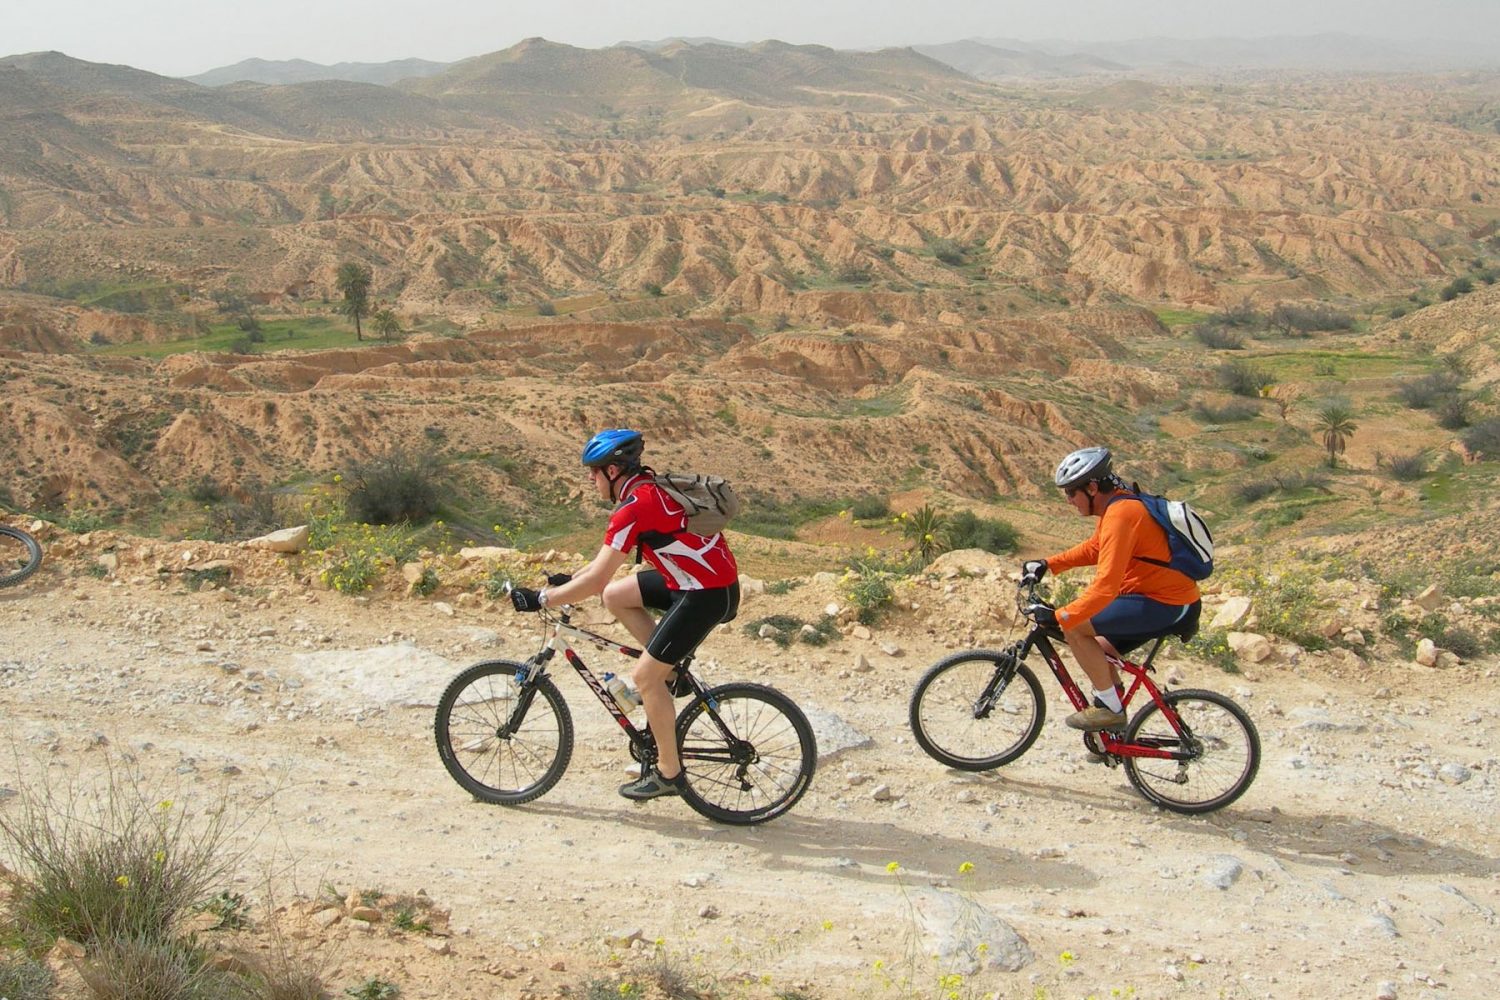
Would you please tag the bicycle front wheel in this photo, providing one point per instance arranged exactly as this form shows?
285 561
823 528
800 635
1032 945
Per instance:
20 555
503 742
1222 744
977 710
748 753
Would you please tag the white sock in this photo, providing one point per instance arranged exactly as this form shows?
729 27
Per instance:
1110 699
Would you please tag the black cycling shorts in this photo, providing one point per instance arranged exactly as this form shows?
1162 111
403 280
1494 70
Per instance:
690 614
1132 620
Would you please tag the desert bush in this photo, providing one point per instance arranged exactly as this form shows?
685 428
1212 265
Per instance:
1483 438
1408 468
398 485
854 274
151 968
1218 337
547 308
1233 411
205 489
1427 391
1301 320
1455 288
787 629
948 251
1243 378
869 507
113 861
967 530
24 978
1256 490
1453 413
869 584
1242 314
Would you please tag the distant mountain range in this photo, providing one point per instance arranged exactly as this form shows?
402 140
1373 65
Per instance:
991 58
301 71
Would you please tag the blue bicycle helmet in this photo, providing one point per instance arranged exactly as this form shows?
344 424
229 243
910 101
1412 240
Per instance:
617 446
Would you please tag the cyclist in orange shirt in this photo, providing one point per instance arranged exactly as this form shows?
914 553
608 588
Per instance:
1134 597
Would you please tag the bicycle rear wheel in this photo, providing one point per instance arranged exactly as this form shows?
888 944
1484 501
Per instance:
1219 734
503 742
748 753
969 712
20 555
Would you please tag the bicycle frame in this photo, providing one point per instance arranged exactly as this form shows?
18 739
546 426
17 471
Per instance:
1040 639
564 633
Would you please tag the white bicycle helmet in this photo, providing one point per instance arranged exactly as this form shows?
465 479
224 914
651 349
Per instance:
1086 465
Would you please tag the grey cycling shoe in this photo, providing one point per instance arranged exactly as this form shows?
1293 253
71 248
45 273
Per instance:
652 785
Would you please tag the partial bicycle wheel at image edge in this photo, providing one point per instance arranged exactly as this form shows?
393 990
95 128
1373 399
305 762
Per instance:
1224 743
760 769
20 555
498 754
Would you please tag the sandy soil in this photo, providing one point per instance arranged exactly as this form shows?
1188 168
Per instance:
1361 864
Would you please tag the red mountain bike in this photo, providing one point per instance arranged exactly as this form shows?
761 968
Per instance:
1190 751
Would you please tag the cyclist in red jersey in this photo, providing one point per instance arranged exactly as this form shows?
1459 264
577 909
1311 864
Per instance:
693 579
1134 597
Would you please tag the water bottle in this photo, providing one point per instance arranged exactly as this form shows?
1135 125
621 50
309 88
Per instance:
627 696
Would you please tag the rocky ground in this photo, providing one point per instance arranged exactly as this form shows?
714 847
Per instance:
1362 863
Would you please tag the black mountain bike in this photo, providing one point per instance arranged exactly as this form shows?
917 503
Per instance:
505 733
20 555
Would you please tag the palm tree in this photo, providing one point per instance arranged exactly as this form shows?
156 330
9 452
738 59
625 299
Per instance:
1336 422
353 280
386 323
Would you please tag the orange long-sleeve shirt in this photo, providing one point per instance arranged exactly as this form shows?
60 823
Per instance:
1125 532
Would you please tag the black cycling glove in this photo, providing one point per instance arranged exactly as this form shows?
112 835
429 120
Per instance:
558 579
525 599
1043 614
1032 570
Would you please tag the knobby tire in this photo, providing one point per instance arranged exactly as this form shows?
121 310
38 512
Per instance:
959 720
767 767
492 764
20 555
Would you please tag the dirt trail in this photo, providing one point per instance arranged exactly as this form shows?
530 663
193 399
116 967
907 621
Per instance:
1363 862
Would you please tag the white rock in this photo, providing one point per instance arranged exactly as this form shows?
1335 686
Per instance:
1232 612
1250 646
285 540
1427 653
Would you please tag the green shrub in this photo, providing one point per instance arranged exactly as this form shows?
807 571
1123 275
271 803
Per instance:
24 978
1233 411
374 988
112 862
546 309
1243 378
1453 413
1218 337
787 629
1427 391
1484 438
925 529
1455 288
1408 468
967 530
1300 320
869 507
396 486
869 586
1256 490
152 968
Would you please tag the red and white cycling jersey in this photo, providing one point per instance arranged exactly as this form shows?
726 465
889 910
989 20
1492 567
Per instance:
651 519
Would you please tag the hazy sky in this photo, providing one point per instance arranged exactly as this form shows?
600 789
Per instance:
184 37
